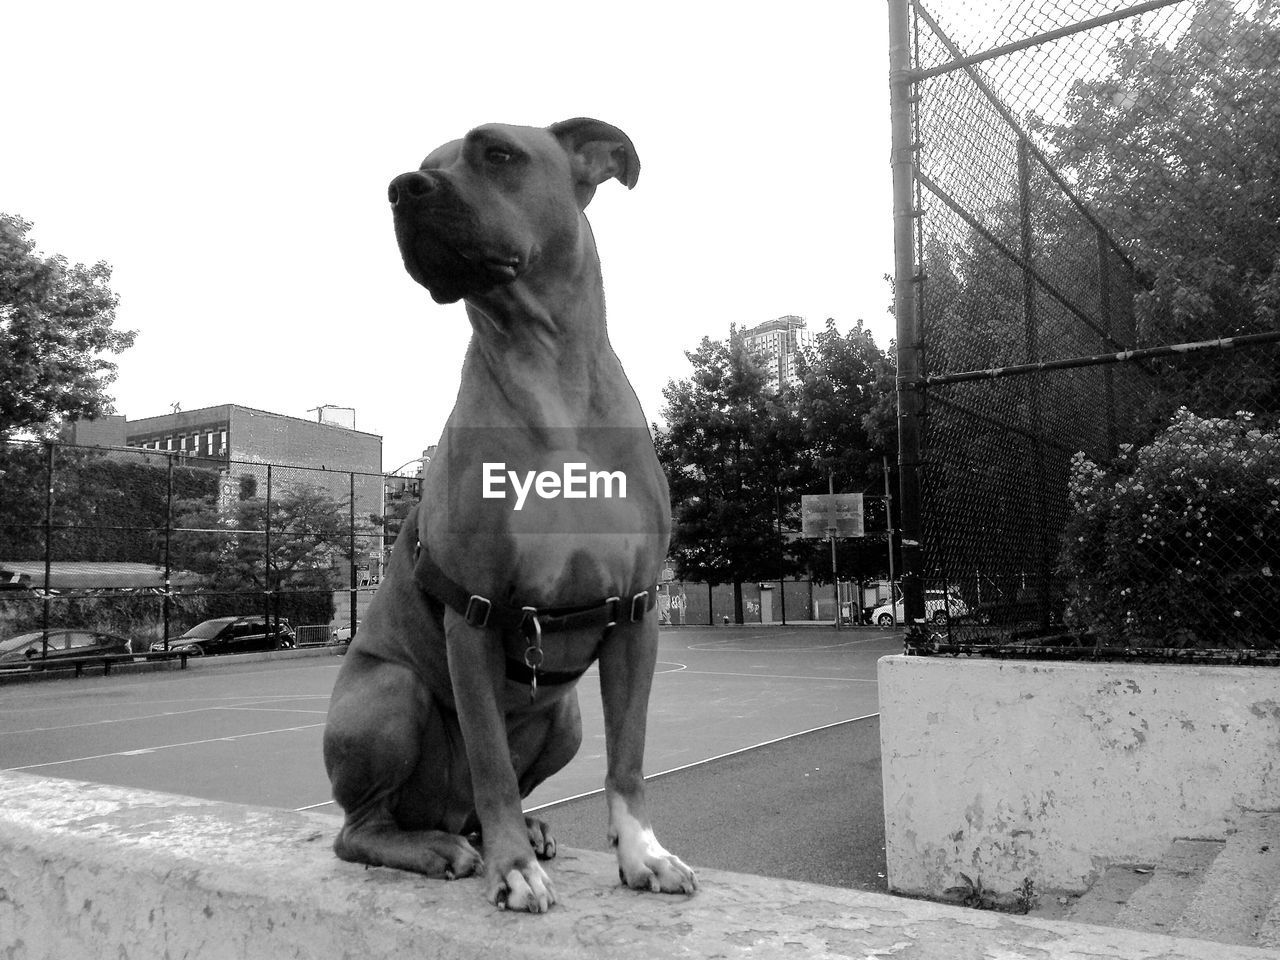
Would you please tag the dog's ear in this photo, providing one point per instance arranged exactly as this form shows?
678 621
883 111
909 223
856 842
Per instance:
597 151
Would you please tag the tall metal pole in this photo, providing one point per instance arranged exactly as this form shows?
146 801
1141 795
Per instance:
266 559
831 532
1043 544
48 547
168 545
1104 309
352 603
902 162
888 526
782 573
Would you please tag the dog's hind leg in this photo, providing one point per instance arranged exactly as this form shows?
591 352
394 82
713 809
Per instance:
381 726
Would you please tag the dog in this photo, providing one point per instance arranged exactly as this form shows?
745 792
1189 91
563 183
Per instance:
457 697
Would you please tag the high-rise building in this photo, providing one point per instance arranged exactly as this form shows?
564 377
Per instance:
778 343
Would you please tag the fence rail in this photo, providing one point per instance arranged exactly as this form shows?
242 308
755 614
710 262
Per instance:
1087 211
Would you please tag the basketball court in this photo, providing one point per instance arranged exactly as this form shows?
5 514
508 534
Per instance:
249 730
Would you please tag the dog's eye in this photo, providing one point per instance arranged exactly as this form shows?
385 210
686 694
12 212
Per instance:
499 155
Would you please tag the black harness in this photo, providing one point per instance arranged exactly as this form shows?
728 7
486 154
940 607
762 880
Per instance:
528 622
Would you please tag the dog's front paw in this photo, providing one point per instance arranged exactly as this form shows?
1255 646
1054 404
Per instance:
523 886
647 865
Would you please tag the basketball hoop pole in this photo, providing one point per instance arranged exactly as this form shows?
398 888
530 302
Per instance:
831 532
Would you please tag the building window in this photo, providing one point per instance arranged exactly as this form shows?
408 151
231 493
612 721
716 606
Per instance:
222 444
209 438
168 443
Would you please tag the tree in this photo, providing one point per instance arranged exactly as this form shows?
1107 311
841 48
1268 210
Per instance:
843 409
741 450
56 324
1177 148
310 539
733 452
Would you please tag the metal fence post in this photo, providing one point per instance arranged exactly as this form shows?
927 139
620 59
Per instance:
266 556
351 556
1104 308
168 536
1027 244
910 401
48 546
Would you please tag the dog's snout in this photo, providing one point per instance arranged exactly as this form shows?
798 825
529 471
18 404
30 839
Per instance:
410 186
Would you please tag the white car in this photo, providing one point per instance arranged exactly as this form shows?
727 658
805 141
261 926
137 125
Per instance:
937 607
342 634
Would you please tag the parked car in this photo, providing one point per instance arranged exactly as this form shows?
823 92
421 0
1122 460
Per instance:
26 648
232 635
1028 609
938 605
343 633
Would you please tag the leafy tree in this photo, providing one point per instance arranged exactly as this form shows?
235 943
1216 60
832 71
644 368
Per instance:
55 327
1178 149
843 408
740 451
733 453
106 506
310 541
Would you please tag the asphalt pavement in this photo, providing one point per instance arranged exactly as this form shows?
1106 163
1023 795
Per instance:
763 747
806 808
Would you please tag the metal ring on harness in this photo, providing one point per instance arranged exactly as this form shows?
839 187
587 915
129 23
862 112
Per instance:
533 655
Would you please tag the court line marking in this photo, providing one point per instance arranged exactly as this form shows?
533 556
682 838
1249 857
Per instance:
247 703
663 773
774 676
167 746
723 646
698 763
253 709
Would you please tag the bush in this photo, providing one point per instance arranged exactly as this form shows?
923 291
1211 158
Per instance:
1177 543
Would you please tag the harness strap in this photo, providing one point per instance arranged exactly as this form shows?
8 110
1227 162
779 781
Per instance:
483 612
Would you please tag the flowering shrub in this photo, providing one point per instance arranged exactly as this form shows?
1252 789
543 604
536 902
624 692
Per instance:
1177 544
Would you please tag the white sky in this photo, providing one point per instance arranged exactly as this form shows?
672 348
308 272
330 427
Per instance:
230 161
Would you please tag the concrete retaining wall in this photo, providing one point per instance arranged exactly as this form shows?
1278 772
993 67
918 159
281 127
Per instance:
1009 770
90 871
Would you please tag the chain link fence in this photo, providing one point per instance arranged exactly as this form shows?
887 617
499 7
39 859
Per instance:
145 544
1088 300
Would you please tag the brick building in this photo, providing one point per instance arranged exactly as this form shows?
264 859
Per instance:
231 432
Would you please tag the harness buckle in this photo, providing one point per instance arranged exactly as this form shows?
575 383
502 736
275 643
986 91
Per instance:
615 611
478 610
638 606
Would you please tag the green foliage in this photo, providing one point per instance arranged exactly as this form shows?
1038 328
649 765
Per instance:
106 507
55 327
309 544
840 399
730 448
739 453
848 413
1178 149
1178 543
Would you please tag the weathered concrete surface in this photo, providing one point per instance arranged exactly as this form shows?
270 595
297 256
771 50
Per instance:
1013 770
91 871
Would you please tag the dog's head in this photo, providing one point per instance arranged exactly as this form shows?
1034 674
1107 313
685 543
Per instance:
502 202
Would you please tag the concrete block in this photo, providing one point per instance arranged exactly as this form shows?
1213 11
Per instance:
1009 771
89 871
